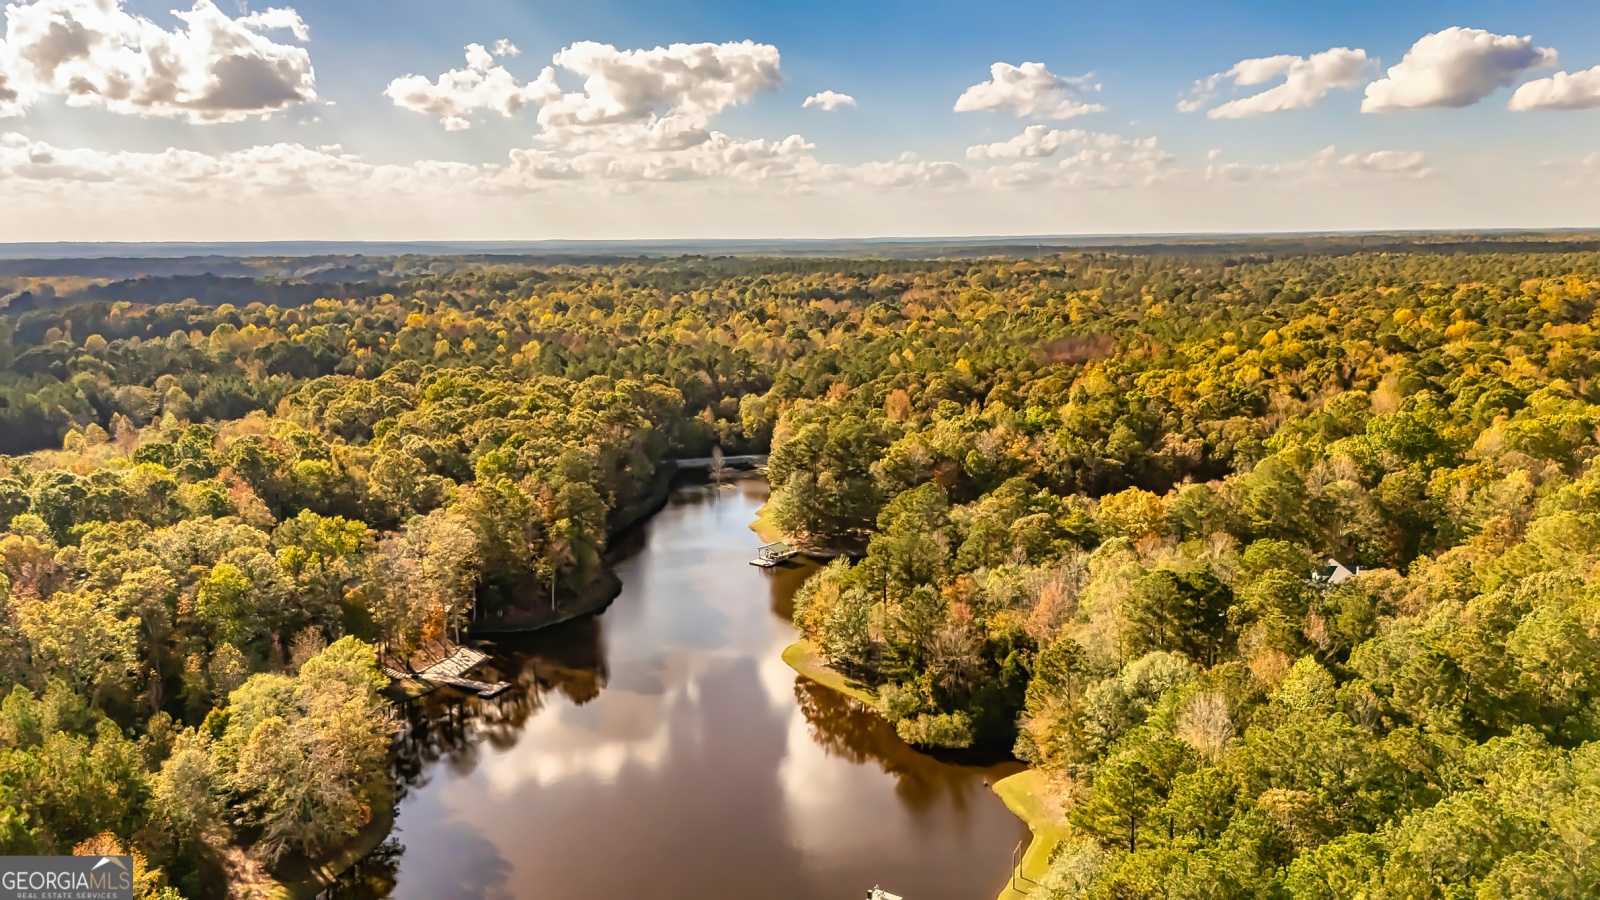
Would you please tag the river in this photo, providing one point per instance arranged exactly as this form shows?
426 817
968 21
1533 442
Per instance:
663 750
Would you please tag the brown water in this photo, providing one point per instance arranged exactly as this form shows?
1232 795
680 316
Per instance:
663 750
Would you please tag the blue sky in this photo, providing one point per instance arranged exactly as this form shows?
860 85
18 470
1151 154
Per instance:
319 150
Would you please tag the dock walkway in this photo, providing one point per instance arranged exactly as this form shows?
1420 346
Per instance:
450 671
773 554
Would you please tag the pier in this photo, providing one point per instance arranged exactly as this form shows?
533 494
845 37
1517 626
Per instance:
772 554
451 671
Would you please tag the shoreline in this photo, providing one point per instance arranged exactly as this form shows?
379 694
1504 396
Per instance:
803 657
315 876
1022 793
319 875
596 597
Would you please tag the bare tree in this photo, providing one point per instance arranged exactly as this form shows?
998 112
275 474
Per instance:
718 467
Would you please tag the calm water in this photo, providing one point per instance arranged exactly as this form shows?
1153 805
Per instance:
663 750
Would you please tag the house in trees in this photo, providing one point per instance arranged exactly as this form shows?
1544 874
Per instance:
1334 573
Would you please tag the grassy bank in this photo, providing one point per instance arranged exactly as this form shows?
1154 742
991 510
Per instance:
803 657
1025 794
764 528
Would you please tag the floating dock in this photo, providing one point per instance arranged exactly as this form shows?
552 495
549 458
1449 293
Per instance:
772 554
450 671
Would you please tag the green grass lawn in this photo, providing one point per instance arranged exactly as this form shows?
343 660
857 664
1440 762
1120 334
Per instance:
802 656
764 528
1024 794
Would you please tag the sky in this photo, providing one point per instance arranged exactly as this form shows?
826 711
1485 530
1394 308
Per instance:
151 120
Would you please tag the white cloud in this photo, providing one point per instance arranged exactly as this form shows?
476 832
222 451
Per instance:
1035 140
10 93
1453 68
907 171
1306 81
1030 90
94 53
1563 90
650 99
274 169
717 158
629 100
644 116
504 47
829 101
37 169
1327 166
1090 159
459 92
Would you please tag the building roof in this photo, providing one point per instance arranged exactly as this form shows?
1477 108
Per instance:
1335 572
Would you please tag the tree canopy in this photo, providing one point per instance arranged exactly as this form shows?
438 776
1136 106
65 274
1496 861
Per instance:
1082 498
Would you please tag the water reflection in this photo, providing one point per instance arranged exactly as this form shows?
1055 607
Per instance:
663 750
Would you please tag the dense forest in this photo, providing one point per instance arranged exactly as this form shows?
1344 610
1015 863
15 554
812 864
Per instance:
1083 500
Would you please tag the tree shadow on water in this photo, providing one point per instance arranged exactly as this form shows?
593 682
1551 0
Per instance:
843 729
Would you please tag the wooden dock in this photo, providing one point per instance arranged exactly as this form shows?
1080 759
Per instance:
773 554
451 671
482 689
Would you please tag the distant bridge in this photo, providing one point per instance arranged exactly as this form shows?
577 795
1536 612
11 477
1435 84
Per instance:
752 461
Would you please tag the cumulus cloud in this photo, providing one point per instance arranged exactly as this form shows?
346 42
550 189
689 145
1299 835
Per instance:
1034 141
1453 68
629 100
1030 90
829 101
10 94
1090 159
1327 165
906 171
1306 81
215 68
1563 90
662 98
482 85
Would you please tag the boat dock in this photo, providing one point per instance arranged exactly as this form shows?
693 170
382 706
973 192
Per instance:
772 554
451 671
